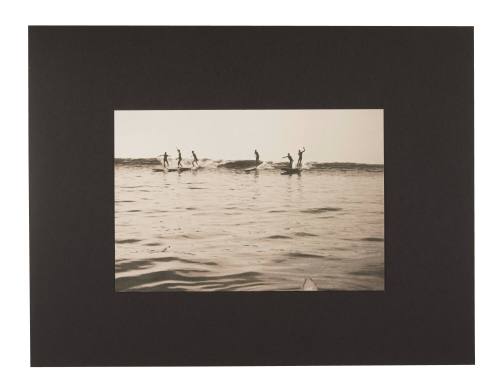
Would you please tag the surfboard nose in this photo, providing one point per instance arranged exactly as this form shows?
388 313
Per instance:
309 285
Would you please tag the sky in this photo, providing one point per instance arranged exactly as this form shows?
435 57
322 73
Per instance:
328 135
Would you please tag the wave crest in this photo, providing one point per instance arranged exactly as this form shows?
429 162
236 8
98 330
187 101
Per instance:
245 164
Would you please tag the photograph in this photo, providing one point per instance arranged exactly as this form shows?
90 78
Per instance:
218 195
249 200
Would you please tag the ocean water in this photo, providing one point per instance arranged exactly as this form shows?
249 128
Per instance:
221 228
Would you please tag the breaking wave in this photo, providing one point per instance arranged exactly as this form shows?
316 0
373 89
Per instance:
245 164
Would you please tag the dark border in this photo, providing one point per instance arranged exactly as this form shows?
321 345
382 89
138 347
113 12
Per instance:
423 79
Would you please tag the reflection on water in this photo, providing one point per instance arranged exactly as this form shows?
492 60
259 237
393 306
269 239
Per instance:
230 230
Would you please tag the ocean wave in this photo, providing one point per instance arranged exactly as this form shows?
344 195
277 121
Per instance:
277 237
304 234
180 279
238 164
320 210
298 254
127 241
245 164
345 166
137 162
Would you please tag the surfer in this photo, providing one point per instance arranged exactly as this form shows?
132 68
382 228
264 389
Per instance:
290 159
299 162
256 158
179 158
165 160
195 159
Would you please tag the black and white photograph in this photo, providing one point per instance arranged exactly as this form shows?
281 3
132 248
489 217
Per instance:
249 200
250 196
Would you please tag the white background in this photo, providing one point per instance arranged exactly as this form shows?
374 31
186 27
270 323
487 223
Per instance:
14 284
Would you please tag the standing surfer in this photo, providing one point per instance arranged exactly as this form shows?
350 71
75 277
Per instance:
165 160
179 158
290 159
256 158
299 162
195 159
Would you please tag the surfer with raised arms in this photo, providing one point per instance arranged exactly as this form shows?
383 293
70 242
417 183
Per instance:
256 158
179 158
289 158
299 162
195 159
165 160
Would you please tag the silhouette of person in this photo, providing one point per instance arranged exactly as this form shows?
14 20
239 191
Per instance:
299 162
290 159
256 158
179 158
195 159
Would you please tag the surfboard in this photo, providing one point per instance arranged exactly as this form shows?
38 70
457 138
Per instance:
180 169
253 168
158 169
309 285
290 171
